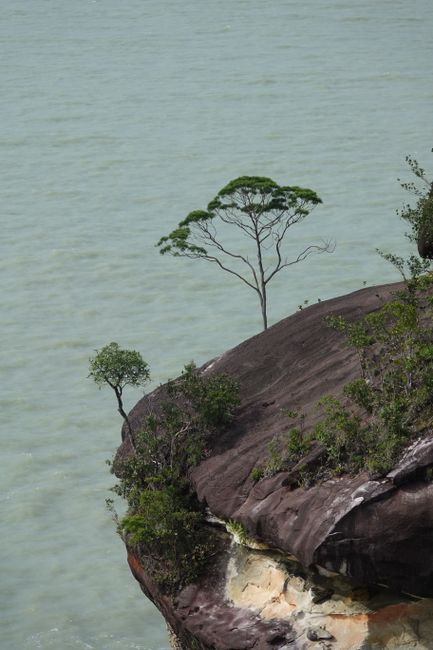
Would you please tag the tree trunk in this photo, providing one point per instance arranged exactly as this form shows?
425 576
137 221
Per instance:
125 417
263 305
262 290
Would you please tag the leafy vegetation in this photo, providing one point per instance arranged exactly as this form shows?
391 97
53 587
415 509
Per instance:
420 215
263 211
168 528
384 408
119 368
237 530
164 519
284 454
367 429
297 444
393 399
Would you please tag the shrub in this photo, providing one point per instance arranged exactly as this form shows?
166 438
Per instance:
394 396
170 529
257 473
164 520
360 393
212 398
297 444
341 435
283 454
385 407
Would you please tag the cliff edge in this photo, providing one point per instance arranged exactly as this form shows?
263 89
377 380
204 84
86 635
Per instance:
344 563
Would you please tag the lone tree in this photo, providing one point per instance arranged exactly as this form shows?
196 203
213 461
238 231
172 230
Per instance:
263 211
119 368
420 216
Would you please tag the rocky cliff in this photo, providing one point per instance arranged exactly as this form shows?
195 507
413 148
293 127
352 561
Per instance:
346 563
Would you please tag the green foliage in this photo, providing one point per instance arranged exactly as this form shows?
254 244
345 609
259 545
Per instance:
297 444
360 393
118 368
238 531
262 211
174 440
262 195
342 436
420 215
170 528
284 453
384 408
159 513
393 400
277 460
212 399
164 519
257 473
256 185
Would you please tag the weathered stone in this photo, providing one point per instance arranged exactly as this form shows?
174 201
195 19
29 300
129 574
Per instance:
318 633
174 641
370 530
320 594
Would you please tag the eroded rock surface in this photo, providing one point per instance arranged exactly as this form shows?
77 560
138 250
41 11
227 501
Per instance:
371 531
347 618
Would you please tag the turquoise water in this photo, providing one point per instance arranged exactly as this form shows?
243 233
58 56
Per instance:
118 119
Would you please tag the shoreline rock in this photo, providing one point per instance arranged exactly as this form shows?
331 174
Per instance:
371 532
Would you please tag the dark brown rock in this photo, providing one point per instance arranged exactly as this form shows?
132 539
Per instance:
373 531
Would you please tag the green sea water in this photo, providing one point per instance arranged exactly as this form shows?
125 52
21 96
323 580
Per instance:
118 118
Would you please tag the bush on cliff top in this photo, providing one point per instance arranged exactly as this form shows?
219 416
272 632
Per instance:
384 408
393 399
165 521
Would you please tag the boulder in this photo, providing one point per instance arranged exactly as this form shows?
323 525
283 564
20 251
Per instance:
373 534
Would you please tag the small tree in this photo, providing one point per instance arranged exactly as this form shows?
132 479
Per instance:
263 211
119 368
420 216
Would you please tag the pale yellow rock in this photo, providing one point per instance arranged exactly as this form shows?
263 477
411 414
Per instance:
260 582
175 644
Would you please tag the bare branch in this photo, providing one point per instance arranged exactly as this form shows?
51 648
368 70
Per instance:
328 247
226 268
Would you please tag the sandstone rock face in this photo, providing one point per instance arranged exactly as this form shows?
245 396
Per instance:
348 619
369 531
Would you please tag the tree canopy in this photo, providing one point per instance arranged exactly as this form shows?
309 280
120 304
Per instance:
118 368
263 211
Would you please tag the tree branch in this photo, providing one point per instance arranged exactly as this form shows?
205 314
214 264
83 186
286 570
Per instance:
212 241
210 258
328 247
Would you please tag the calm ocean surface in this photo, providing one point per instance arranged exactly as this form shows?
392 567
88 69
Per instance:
118 118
